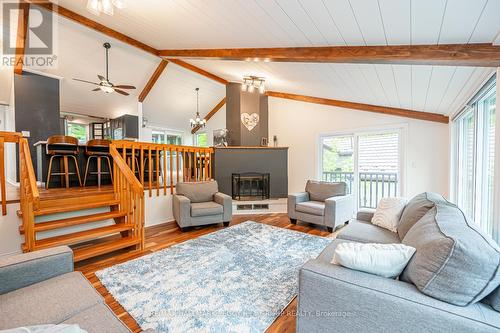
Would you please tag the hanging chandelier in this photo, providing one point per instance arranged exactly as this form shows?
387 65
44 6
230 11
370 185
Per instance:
197 121
250 83
97 7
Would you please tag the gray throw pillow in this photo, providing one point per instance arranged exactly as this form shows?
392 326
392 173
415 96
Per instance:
454 262
320 191
415 209
197 191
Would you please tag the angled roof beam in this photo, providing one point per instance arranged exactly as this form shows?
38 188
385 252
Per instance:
22 29
198 70
481 55
156 75
363 107
93 25
210 114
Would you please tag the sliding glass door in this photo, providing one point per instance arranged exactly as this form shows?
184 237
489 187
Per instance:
369 162
474 134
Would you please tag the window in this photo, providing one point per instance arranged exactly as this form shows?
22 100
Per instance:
369 163
78 131
165 136
201 139
474 155
174 139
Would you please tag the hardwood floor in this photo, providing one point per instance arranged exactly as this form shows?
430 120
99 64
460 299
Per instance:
165 235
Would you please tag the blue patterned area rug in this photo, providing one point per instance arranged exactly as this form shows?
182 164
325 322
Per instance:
237 279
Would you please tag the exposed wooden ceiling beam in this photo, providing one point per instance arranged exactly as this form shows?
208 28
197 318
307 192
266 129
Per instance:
198 70
481 55
156 75
22 29
93 25
210 114
363 107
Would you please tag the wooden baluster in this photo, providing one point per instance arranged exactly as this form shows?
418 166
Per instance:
171 172
177 164
141 165
207 177
196 160
200 162
189 166
150 172
165 168
2 177
157 160
211 160
132 160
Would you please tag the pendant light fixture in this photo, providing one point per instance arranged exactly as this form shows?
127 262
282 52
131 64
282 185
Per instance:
250 83
197 121
97 7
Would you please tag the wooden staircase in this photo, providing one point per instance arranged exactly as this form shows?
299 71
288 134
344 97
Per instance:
50 216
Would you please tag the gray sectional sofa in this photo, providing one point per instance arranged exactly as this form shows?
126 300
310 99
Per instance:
41 288
451 284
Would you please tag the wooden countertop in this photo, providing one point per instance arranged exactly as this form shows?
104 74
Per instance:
41 143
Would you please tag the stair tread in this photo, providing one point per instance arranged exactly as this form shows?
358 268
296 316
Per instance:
60 206
106 247
76 220
80 236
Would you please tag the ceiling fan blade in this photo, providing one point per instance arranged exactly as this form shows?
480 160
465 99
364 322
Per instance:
101 78
86 81
96 89
124 86
121 92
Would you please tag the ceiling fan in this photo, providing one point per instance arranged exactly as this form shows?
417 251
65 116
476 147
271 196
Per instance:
106 85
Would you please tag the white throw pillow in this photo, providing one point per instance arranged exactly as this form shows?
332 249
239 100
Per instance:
387 260
388 213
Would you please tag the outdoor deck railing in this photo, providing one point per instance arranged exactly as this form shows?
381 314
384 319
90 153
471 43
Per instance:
372 185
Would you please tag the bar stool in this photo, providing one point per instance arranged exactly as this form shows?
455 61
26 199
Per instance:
62 146
98 149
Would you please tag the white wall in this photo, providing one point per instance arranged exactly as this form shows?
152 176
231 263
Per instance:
298 126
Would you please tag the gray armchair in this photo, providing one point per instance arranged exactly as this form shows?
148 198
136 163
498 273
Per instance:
322 203
201 203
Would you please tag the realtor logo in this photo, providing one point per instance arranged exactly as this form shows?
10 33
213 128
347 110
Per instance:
39 35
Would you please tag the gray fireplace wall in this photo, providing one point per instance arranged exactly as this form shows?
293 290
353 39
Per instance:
239 102
262 160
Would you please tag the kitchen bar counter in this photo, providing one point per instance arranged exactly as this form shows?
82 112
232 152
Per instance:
56 181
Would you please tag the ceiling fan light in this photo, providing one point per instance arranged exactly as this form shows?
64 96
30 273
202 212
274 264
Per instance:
94 6
120 4
244 87
107 7
251 88
107 89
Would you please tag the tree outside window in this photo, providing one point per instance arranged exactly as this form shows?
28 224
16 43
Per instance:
78 131
202 139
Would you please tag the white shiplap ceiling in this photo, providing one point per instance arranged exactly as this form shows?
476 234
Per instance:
167 24
276 23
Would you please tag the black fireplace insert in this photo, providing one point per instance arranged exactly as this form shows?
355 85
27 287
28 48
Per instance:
250 185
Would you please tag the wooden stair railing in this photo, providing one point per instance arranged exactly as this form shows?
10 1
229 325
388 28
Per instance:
29 195
158 167
5 137
130 194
